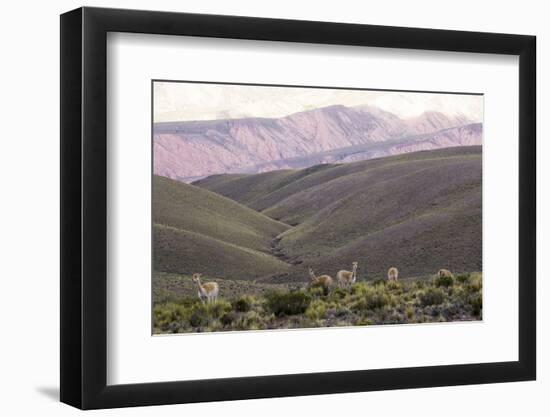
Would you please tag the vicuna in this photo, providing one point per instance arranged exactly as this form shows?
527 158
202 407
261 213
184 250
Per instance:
208 291
393 273
347 278
444 273
323 281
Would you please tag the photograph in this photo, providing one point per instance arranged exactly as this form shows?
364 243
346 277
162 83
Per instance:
286 207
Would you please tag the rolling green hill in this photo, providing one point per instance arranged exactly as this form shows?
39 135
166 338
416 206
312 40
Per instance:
196 230
248 189
194 209
185 252
263 191
419 211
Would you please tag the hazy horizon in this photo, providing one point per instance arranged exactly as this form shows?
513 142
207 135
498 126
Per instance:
185 101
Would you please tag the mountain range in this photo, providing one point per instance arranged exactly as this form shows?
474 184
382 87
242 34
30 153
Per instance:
191 150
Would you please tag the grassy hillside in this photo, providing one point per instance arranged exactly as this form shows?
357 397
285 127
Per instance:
262 191
247 189
182 251
196 230
419 212
194 209
177 288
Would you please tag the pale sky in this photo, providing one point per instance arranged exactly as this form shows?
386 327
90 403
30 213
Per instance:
175 101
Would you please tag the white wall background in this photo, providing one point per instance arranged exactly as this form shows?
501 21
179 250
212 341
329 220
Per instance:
29 233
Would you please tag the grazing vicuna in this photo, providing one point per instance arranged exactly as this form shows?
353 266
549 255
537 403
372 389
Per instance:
444 273
347 278
393 273
323 281
208 291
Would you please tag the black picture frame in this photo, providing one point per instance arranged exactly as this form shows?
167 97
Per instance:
84 207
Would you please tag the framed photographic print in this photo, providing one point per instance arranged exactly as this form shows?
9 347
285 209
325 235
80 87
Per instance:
258 207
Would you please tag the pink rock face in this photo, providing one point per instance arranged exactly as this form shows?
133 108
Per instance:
191 150
468 135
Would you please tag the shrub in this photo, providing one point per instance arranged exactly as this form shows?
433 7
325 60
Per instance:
393 286
167 316
463 278
379 281
243 304
444 281
199 316
228 318
281 303
431 296
420 284
214 326
250 321
395 317
376 299
360 288
317 310
364 321
409 312
174 327
475 283
476 302
373 298
218 308
318 290
338 294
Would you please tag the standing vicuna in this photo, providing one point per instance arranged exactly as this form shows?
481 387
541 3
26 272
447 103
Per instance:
444 273
393 274
207 291
323 281
347 278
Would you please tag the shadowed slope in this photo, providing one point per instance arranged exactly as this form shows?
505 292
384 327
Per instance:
263 192
186 207
419 221
248 189
199 231
184 252
419 211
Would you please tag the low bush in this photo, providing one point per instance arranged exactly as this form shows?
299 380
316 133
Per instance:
379 281
376 299
165 314
419 284
199 316
409 312
475 283
316 310
431 296
444 281
243 304
393 286
338 294
288 303
476 304
218 308
250 321
228 318
360 289
463 278
318 290
364 321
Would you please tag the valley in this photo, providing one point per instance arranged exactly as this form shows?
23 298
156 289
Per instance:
419 211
